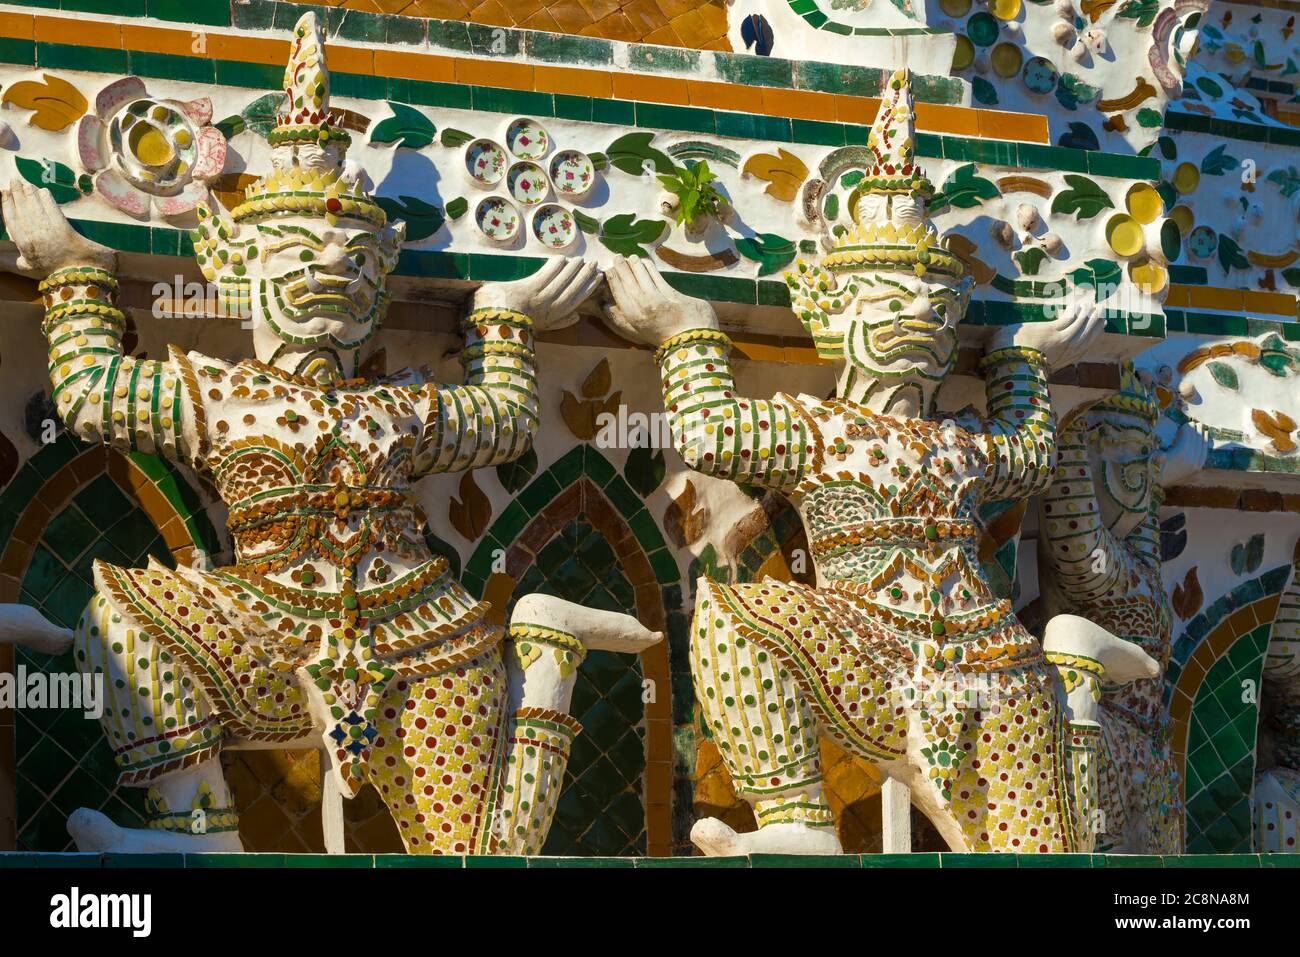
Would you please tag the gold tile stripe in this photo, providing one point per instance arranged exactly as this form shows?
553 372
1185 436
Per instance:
1231 300
604 84
697 24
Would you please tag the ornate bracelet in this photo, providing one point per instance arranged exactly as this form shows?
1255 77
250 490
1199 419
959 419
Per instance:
1027 353
691 336
78 275
491 314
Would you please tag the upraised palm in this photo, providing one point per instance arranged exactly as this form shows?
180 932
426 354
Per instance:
45 239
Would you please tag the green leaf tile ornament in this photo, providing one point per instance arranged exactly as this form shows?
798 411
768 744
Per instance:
771 251
964 189
1225 375
631 153
645 469
1217 161
1084 199
626 235
515 475
407 127
62 182
422 219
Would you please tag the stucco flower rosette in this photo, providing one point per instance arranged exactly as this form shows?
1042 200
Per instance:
148 154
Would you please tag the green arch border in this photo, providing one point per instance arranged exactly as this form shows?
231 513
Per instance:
581 460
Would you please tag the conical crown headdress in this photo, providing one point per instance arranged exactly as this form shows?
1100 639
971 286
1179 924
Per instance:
864 249
892 142
308 146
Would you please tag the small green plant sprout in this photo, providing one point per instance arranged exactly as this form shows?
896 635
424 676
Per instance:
696 198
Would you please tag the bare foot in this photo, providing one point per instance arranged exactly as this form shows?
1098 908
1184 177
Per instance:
606 630
95 833
716 839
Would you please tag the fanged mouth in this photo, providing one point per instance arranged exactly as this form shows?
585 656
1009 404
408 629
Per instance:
313 291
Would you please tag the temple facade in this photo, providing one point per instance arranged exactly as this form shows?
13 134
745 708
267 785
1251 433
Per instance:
639 428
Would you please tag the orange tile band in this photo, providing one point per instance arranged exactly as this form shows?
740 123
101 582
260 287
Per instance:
602 84
1231 300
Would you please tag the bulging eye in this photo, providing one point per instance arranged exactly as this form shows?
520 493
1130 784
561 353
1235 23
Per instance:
895 305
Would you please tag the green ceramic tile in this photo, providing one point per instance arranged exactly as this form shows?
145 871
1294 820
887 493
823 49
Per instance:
660 863
613 112
451 95
210 12
772 293
61 861
359 26
449 35
22 52
1127 860
359 85
253 76
752 126
59 56
838 78
1059 861
234 861
1109 164
552 863
514 518
332 861
645 529
754 70
718 288
894 861
420 861
1216 861
569 50
991 152
68 534
492 861
433 264
118 861
490 41
287 15
949 861
1211 324
252 16
805 860
667 117
167 66
644 58
405 30
539 493
817 132
569 107
598 467
528 102
115 8
568 467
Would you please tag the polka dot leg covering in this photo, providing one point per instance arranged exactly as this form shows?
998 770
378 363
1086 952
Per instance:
758 718
439 755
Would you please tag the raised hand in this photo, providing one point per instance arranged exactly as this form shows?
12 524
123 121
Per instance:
646 309
550 297
1064 340
45 239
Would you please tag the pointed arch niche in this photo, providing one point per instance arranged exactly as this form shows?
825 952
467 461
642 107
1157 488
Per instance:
580 532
